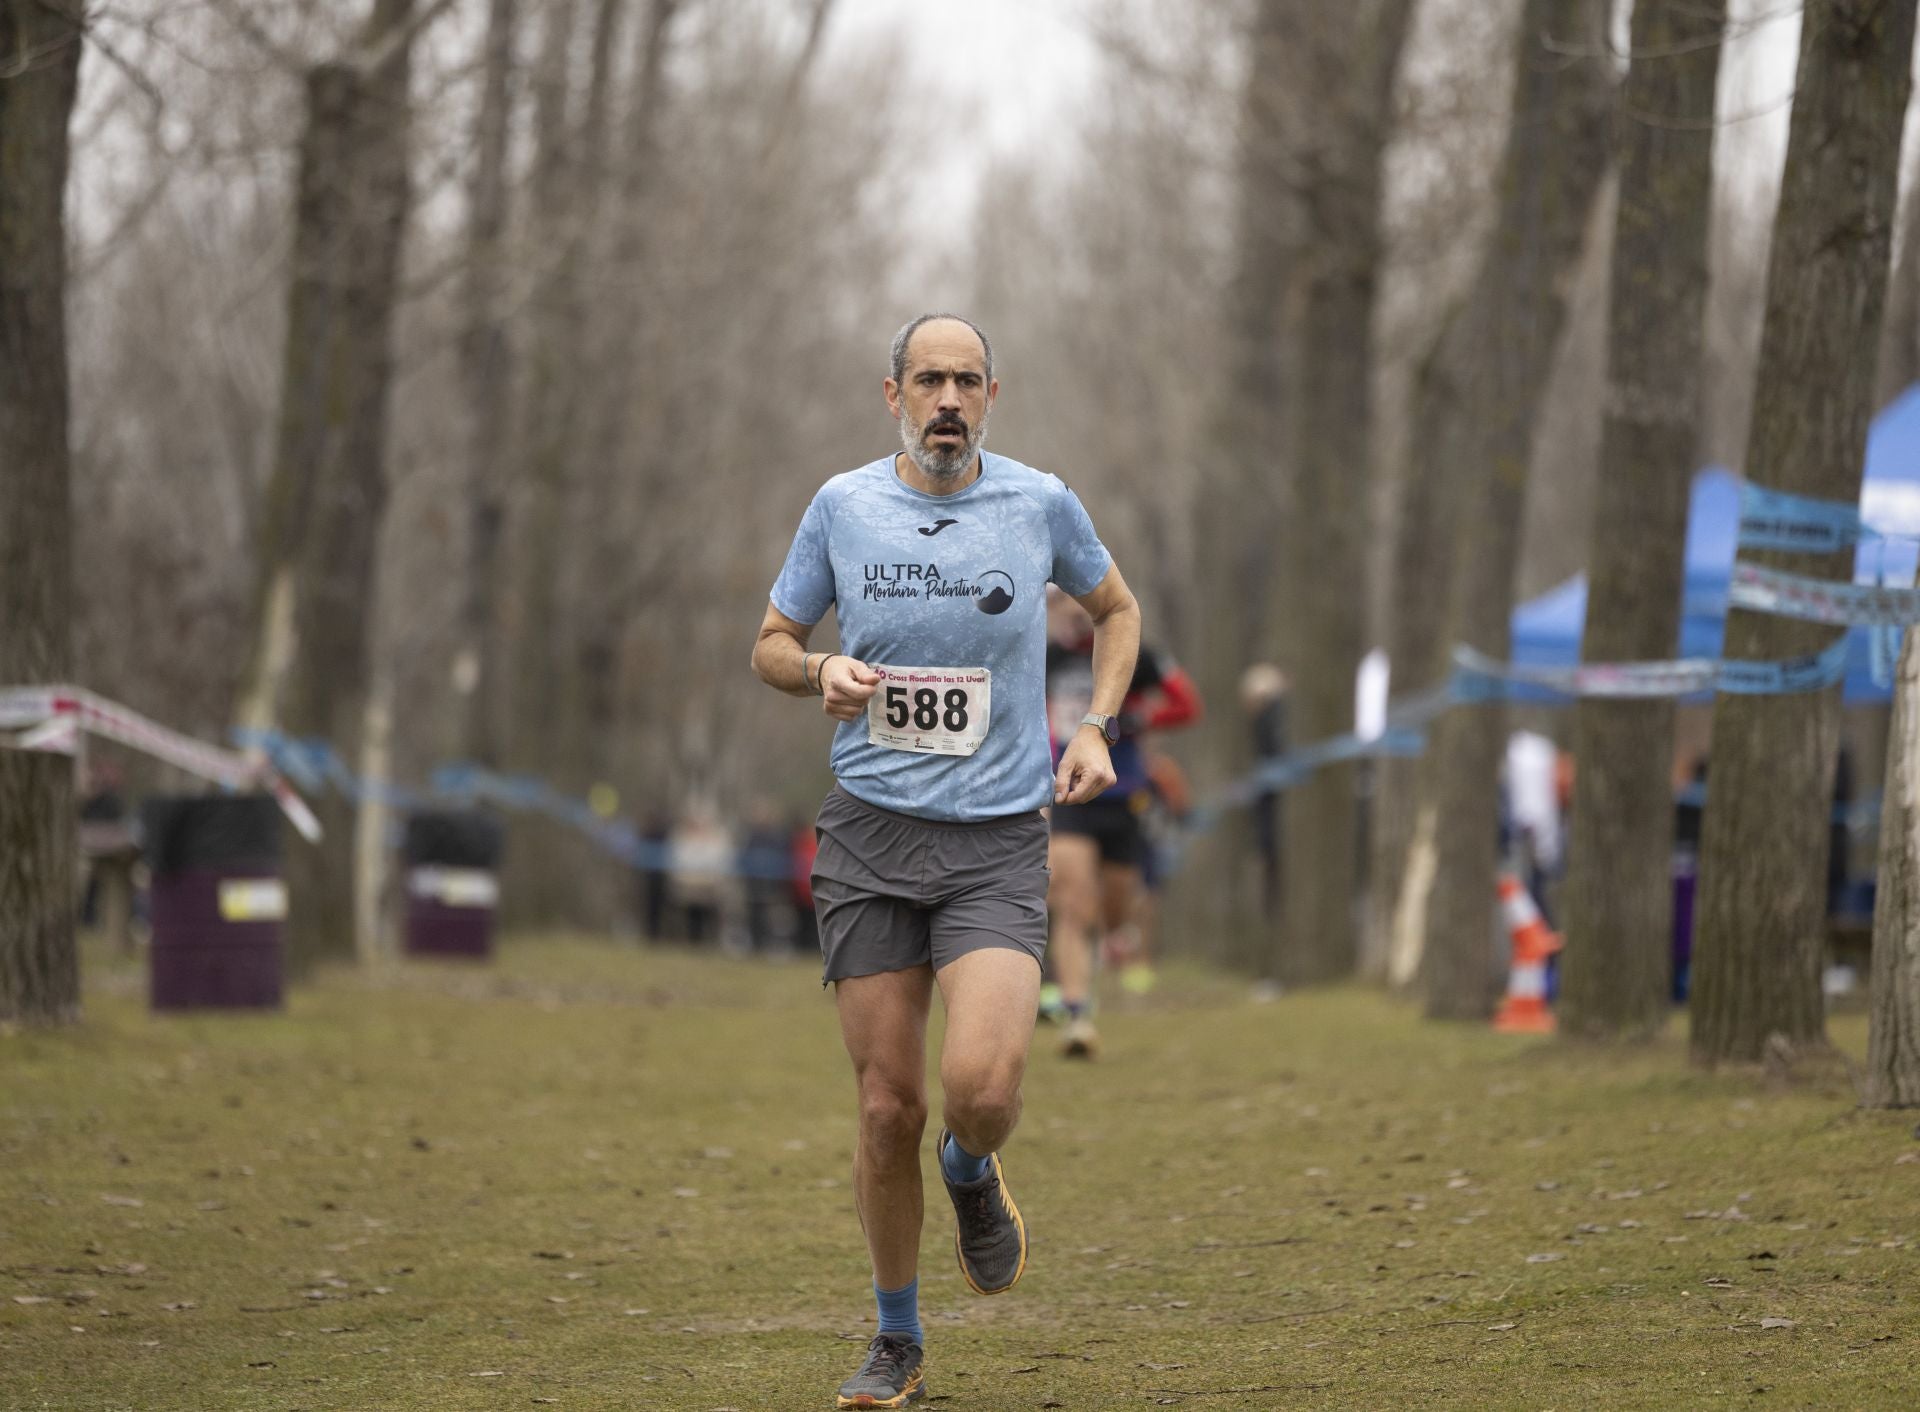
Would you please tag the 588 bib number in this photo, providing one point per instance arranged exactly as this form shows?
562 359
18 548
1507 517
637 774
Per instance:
931 710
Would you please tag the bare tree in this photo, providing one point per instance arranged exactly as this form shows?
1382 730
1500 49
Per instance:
1236 508
1893 1035
486 368
40 44
1346 69
1619 895
328 490
1551 174
1900 328
1756 975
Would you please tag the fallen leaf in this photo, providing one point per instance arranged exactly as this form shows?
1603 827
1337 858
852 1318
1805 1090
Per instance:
1777 1323
1543 1258
123 1201
179 1305
487 1375
32 1299
1502 1328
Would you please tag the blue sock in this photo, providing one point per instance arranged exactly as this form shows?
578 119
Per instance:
961 1165
1076 1009
900 1310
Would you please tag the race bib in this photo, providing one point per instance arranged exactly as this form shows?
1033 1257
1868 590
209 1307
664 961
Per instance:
930 710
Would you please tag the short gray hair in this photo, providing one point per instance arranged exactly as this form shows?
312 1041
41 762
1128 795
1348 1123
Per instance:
897 354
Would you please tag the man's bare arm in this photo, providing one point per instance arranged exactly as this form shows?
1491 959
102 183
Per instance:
1116 640
780 656
1086 766
782 661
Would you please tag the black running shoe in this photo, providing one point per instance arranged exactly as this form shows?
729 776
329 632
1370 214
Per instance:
989 1236
892 1376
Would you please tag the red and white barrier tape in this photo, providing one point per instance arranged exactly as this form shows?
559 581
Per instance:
51 717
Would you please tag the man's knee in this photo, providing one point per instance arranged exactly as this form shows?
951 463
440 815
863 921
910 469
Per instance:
982 1098
892 1116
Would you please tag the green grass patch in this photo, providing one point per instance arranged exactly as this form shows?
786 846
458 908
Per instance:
589 1177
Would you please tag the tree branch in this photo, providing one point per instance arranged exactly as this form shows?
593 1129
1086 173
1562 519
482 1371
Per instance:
376 51
235 14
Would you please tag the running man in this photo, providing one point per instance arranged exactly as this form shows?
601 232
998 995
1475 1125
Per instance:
933 853
1099 847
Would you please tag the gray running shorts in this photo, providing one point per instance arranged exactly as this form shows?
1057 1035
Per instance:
893 892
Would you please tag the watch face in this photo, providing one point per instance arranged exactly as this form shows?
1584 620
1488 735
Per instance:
1110 728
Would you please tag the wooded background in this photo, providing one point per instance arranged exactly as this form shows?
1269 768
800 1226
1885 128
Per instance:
447 378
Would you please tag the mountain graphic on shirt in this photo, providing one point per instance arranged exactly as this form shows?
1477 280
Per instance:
997 599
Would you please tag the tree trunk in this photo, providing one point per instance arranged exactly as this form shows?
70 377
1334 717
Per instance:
1236 510
1417 647
1551 174
1900 328
1762 889
1615 974
39 76
538 886
1893 1036
1322 562
487 374
351 215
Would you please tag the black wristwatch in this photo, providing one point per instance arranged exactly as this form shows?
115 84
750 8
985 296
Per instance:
1109 725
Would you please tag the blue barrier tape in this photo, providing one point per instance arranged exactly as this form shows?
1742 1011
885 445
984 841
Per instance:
317 765
1778 519
1760 589
1482 678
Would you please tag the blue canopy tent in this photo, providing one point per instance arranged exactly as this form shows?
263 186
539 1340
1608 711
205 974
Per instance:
1546 630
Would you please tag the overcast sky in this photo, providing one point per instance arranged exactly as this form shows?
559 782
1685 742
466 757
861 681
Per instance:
1018 65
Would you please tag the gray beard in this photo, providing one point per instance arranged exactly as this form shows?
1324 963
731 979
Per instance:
938 465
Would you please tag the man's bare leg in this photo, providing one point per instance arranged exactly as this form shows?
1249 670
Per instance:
883 1023
991 997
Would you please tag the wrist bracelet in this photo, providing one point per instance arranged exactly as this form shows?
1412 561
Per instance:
806 671
821 676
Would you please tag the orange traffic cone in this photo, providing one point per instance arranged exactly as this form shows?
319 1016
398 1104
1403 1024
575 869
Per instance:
1524 1011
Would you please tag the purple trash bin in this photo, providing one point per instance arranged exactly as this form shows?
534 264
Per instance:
453 892
217 903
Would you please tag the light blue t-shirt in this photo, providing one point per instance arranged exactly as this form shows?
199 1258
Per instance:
954 580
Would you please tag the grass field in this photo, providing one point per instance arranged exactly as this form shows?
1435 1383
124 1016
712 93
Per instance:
594 1178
